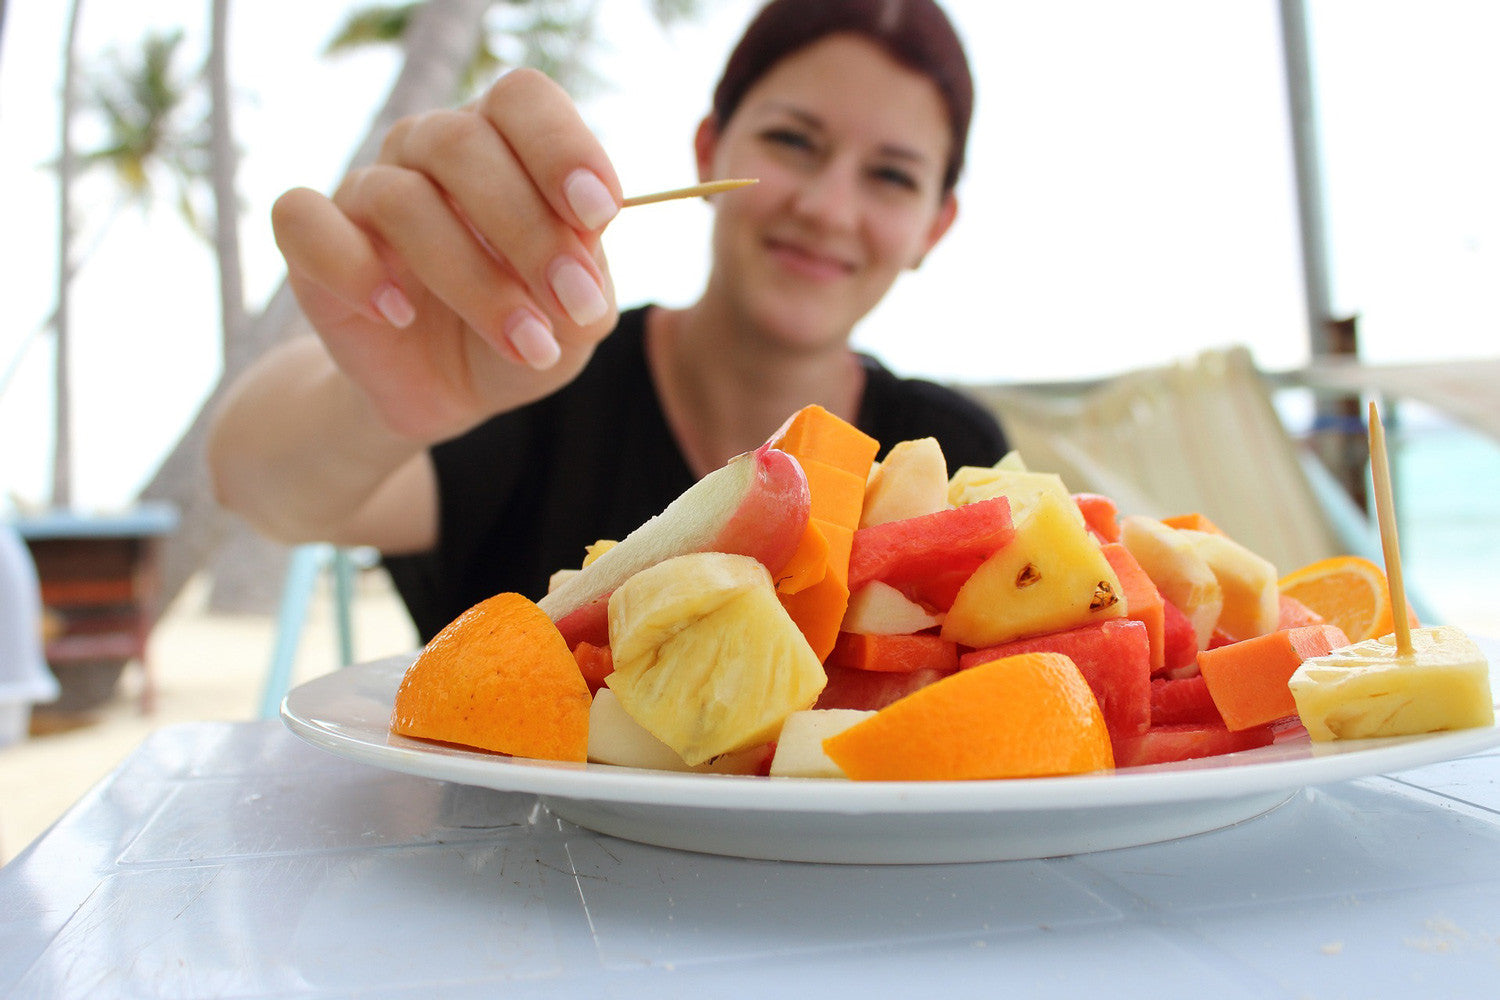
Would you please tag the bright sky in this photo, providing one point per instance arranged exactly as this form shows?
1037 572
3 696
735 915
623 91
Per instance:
1129 198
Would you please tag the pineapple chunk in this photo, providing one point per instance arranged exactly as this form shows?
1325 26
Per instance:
590 553
1023 488
1052 575
1368 689
972 482
706 658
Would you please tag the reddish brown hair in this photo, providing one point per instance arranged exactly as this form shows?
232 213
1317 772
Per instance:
915 33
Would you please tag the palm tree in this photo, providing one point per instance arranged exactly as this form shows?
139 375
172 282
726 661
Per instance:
62 400
224 163
141 106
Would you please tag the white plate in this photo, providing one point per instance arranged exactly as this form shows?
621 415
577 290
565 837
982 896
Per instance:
802 819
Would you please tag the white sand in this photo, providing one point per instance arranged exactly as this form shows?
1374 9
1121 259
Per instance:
207 667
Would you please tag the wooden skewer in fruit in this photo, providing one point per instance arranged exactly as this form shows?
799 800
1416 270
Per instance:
1385 512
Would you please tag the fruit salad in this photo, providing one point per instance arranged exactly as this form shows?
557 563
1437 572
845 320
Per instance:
808 612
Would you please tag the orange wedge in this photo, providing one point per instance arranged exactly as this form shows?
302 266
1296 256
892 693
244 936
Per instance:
498 677
1020 716
1347 591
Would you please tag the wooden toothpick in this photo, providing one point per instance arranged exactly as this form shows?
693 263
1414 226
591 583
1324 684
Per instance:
1385 511
695 191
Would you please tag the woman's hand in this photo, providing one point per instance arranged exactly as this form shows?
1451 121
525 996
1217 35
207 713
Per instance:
461 275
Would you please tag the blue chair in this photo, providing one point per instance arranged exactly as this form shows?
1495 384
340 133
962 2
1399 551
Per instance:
307 562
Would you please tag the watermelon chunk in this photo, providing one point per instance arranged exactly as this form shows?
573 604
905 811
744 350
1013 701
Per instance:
929 557
1101 514
1185 700
872 690
1114 656
1188 741
1143 601
1179 641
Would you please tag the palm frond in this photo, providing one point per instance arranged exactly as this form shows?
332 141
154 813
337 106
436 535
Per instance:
142 103
379 25
670 12
557 37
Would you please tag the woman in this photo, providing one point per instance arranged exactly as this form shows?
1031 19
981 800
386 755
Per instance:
475 407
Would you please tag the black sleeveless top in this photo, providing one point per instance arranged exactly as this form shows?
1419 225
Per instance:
522 494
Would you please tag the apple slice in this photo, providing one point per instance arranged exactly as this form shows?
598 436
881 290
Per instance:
879 609
1180 573
1252 598
912 481
799 748
755 505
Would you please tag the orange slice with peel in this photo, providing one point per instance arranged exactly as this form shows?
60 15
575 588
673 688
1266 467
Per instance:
1020 716
499 677
1348 591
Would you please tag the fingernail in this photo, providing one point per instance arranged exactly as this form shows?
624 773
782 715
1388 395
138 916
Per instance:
576 289
393 304
590 199
532 340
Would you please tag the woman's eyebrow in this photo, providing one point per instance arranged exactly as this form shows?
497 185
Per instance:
801 115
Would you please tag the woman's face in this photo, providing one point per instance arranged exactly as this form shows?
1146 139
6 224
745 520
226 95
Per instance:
850 149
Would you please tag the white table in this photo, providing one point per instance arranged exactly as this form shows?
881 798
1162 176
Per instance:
233 860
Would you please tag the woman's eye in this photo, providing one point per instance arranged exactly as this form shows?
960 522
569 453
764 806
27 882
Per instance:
789 138
896 177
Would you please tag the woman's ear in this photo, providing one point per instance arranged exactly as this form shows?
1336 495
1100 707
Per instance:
705 145
941 223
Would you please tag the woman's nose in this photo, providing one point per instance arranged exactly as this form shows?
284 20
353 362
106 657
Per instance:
830 195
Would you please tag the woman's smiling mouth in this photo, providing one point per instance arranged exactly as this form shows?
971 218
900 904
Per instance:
808 263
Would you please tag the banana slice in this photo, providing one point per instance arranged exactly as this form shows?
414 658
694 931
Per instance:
616 738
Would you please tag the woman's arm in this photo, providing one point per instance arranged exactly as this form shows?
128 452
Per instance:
297 449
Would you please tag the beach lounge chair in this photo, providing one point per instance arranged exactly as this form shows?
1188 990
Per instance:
1201 435
1464 391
